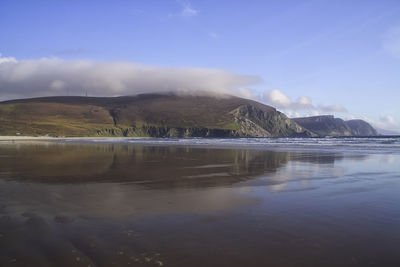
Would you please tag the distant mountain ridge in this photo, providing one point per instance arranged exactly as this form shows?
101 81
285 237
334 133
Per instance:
328 125
147 115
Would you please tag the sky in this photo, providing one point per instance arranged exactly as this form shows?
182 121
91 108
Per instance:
305 58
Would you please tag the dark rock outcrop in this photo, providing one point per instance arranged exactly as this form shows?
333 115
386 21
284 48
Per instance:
330 126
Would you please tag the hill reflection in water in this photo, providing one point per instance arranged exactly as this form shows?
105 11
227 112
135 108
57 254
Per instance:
152 166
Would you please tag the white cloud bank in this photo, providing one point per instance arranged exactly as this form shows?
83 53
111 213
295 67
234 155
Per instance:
280 100
7 59
53 76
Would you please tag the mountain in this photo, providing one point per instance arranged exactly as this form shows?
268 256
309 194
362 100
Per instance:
147 115
330 126
361 128
387 132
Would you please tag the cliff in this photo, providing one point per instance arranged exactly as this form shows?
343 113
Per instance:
330 126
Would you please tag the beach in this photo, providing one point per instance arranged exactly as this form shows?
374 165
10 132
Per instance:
104 202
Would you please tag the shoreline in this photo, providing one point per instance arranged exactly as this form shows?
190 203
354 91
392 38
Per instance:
322 145
45 138
49 138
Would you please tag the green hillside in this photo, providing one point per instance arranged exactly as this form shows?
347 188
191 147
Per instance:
156 115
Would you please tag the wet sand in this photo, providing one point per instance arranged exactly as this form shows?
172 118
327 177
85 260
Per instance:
50 138
141 205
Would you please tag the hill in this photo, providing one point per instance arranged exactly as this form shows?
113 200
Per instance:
148 115
330 126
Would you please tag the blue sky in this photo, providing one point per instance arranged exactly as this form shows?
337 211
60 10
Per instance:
304 57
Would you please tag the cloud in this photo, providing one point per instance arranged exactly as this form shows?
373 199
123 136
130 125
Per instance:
331 108
387 119
247 93
279 99
391 42
304 101
385 122
58 85
54 76
388 122
213 35
7 59
186 10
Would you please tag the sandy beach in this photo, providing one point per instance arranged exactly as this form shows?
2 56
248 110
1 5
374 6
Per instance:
49 138
136 203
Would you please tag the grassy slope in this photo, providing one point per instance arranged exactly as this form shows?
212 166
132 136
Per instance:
84 116
52 118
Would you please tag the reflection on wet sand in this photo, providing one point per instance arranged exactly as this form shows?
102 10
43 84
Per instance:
136 205
149 166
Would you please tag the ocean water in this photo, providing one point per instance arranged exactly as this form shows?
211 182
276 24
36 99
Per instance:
200 202
352 144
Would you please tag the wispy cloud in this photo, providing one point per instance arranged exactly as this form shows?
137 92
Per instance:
213 35
54 76
279 99
391 42
386 122
187 10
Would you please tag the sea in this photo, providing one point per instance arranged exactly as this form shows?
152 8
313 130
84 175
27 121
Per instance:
200 202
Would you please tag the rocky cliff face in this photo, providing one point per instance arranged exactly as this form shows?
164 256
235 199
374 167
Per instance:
165 132
361 128
256 122
250 122
331 126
